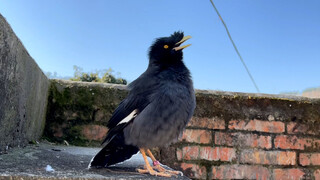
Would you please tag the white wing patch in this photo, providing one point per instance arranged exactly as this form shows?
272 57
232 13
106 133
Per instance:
132 115
89 166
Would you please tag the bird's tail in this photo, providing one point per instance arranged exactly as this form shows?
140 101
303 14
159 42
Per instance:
114 151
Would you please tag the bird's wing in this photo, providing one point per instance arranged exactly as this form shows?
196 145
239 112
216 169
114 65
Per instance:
137 100
167 114
123 110
127 110
115 150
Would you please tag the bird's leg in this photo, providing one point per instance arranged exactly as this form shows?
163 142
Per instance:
149 168
157 166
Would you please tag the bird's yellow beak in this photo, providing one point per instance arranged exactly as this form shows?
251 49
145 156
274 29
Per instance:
182 41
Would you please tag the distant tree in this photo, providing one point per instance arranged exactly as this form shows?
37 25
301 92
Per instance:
98 76
78 71
92 77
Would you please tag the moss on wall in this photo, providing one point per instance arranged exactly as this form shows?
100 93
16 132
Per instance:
73 105
228 106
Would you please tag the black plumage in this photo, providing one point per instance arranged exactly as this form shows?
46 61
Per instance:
159 105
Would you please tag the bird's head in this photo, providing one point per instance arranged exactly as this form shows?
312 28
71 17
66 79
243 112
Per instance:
168 50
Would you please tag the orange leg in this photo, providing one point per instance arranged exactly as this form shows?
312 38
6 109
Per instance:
157 166
149 169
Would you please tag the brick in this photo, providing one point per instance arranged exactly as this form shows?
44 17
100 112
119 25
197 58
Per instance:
209 123
268 157
197 136
188 153
257 125
217 153
288 174
194 170
240 172
242 140
316 174
295 128
294 142
94 132
308 159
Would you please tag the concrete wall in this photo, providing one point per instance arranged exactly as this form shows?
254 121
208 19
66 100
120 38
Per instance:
231 136
23 92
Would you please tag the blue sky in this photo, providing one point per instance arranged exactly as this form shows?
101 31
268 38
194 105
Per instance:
279 40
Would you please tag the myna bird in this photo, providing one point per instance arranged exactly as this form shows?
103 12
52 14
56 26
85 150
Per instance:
159 105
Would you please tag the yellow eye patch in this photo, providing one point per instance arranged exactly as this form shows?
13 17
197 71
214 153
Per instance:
166 46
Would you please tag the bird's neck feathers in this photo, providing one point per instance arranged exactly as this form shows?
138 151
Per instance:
165 63
172 70
160 72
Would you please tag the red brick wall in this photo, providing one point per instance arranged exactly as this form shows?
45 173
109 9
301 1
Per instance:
254 149
275 145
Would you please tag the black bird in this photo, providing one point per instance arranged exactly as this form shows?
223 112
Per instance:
159 105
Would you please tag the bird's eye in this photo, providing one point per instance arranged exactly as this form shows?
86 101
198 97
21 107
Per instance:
166 46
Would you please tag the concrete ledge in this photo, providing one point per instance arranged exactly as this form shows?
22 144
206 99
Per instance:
67 162
234 105
23 92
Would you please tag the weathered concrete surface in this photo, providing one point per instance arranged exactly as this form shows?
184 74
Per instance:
67 161
233 105
23 92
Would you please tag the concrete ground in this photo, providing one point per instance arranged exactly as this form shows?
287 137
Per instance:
46 161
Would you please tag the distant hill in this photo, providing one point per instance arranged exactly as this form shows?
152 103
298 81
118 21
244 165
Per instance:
311 92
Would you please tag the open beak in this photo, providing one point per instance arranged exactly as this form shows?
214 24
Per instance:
180 42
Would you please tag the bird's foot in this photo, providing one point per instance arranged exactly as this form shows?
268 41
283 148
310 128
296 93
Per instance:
160 171
167 171
159 168
151 171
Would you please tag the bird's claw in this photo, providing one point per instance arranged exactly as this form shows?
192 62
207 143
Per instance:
153 172
163 170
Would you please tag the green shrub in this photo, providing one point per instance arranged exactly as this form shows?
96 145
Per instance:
99 76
